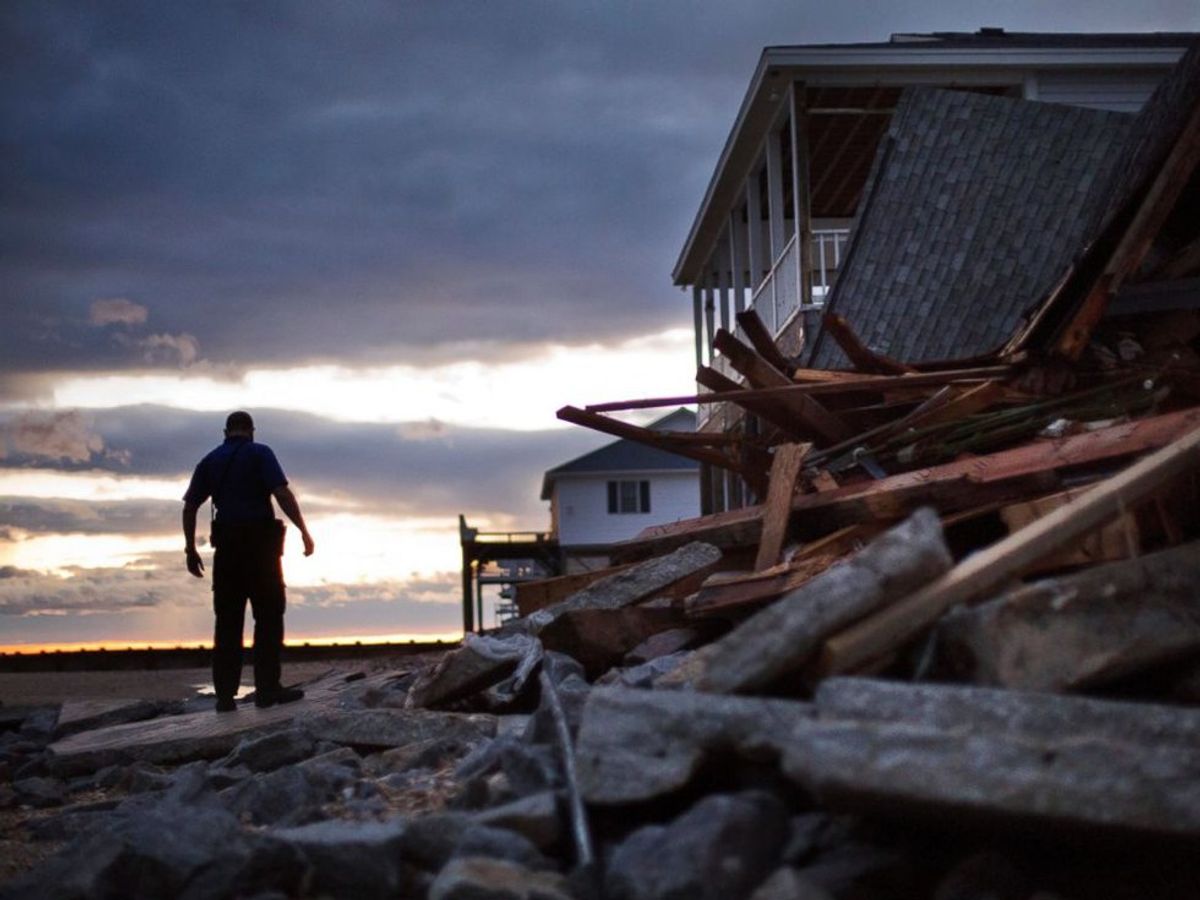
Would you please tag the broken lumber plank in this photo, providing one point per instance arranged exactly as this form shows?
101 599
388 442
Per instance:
1080 630
780 639
762 341
734 393
1110 542
640 435
785 471
810 415
766 410
599 638
951 487
1136 237
743 594
980 755
1010 557
860 355
823 480
625 588
530 596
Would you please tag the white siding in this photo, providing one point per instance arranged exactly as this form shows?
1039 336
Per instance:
1119 91
581 502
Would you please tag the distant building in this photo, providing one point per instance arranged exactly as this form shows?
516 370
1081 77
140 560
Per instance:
614 492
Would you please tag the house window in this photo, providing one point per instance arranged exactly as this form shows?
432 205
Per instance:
629 496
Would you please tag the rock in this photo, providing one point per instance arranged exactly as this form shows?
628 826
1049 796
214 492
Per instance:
983 754
984 876
379 729
529 769
781 638
287 796
722 847
481 662
40 793
167 851
1080 630
429 754
500 844
636 745
572 694
600 638
429 841
645 675
84 715
862 869
267 752
535 817
341 756
788 884
481 878
628 586
664 643
355 859
39 723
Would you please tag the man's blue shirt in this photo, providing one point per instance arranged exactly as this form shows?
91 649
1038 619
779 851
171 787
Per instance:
240 476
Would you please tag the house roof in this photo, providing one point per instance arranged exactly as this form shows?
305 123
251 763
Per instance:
988 60
629 456
978 205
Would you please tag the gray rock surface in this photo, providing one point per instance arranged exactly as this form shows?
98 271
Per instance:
722 847
379 729
782 637
630 585
482 662
535 817
354 859
788 884
1081 630
264 753
635 745
600 638
287 796
480 878
84 715
1001 756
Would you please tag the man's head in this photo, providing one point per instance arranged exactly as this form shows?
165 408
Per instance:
239 424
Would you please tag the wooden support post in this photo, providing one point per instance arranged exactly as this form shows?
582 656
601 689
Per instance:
811 416
737 259
709 318
762 341
754 231
775 194
801 195
698 320
645 436
1152 212
1009 558
860 355
785 470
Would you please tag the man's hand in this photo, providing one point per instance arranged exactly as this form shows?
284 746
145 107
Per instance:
195 564
309 544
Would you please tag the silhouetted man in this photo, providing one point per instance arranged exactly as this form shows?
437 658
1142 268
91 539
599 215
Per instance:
241 476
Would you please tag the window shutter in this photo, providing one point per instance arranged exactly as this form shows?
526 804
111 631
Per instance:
645 496
612 497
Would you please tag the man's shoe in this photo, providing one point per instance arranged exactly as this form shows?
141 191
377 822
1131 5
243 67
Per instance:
281 695
226 704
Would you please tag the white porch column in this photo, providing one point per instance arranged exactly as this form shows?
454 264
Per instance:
801 193
737 257
698 322
775 193
754 231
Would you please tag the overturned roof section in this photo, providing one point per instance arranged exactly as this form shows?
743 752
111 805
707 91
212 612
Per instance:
976 205
868 75
629 456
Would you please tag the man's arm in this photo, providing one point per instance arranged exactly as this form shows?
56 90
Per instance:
194 564
291 508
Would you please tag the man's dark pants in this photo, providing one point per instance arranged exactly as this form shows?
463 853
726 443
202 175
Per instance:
247 566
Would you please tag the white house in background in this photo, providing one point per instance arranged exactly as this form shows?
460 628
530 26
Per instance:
614 492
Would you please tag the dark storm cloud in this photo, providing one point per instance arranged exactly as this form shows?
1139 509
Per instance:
249 172
416 469
53 516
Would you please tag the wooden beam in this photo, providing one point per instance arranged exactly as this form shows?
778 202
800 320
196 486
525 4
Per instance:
860 355
640 435
1009 558
1137 238
874 384
1184 262
531 596
811 416
769 412
762 341
785 471
952 487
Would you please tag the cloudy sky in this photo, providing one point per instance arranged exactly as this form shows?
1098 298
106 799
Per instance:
401 233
